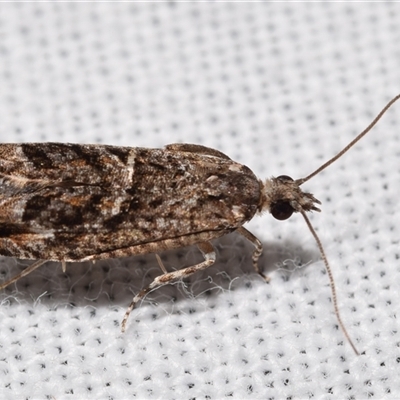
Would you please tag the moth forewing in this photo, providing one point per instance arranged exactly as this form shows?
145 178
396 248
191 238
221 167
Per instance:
72 202
152 199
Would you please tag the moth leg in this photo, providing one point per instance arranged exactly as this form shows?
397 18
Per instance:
257 251
64 266
209 258
161 264
23 273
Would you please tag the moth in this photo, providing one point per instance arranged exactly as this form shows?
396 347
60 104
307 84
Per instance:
75 202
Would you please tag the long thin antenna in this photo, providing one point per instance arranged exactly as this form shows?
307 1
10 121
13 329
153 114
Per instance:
351 144
331 281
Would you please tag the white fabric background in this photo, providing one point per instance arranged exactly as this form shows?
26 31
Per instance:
280 87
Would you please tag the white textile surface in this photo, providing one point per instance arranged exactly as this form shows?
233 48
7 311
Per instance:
279 87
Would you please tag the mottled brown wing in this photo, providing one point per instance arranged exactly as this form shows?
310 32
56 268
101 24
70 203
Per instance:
68 202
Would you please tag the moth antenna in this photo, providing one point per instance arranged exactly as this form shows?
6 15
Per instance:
302 210
351 144
331 281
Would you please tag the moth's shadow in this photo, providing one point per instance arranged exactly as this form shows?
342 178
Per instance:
114 282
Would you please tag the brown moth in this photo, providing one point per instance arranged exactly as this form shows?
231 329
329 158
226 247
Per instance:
73 202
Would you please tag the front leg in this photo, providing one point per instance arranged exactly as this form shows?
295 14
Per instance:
257 251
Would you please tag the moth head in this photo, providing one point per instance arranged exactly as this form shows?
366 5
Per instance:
282 197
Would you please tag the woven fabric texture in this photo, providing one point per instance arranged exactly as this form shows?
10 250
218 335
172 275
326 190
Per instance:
279 87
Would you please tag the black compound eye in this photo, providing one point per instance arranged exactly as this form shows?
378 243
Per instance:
281 210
